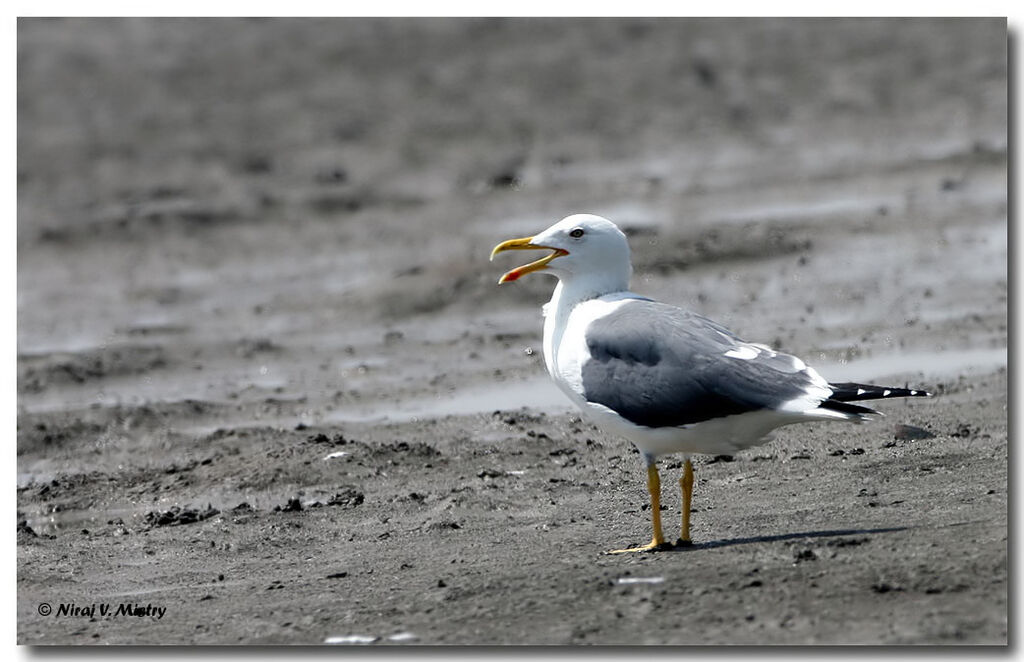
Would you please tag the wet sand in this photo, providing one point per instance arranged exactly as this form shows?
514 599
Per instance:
267 381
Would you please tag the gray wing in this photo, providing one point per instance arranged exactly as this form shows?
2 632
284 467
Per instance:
659 366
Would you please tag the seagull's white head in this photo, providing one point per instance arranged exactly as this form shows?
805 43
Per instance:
586 247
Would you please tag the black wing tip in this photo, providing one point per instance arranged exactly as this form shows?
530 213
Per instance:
849 391
856 412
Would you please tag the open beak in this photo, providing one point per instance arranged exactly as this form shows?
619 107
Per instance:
525 244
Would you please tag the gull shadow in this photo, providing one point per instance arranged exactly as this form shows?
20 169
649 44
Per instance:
712 544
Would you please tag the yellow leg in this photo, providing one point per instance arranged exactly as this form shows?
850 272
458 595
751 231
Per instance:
686 484
654 487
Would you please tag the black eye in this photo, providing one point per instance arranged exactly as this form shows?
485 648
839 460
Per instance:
577 233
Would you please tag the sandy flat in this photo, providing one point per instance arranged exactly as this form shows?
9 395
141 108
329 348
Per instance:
267 381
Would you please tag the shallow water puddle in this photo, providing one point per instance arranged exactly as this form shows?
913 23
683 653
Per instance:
363 639
639 580
538 393
541 393
930 364
402 636
351 639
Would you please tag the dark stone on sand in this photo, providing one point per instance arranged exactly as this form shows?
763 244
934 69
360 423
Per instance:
348 496
910 433
177 516
293 505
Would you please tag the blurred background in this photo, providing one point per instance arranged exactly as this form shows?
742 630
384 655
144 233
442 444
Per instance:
186 186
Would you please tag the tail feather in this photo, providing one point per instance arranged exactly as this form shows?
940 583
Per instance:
849 392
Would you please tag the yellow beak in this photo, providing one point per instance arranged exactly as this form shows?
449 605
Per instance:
525 244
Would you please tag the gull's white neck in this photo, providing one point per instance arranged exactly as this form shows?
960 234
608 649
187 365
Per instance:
569 293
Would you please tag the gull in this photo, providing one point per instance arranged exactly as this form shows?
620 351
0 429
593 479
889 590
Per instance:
666 379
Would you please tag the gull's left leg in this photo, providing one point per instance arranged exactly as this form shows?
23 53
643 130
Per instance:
654 487
686 485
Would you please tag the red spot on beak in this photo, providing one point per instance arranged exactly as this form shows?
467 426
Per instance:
511 276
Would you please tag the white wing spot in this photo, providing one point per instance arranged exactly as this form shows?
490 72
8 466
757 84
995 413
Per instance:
886 392
745 352
861 391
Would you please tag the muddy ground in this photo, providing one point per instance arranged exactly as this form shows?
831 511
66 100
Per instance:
269 391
